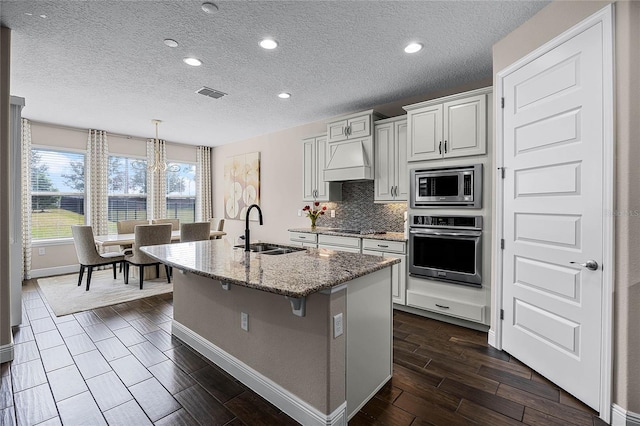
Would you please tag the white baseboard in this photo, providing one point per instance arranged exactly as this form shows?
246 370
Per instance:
57 270
622 417
292 405
6 352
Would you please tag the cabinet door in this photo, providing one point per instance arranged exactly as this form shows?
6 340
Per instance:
465 126
309 169
336 131
322 187
402 167
425 133
384 162
359 127
398 276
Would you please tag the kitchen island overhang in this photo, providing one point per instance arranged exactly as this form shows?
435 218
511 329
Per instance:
301 364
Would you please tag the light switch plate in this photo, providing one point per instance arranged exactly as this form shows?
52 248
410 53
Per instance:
333 213
338 327
244 321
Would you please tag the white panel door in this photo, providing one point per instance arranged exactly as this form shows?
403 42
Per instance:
425 133
309 172
465 127
384 162
553 214
322 187
402 167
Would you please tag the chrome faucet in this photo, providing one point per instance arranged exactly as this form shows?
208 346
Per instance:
246 227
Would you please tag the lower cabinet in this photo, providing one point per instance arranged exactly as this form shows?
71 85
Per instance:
395 249
456 308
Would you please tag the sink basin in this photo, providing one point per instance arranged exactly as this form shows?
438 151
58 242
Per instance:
271 249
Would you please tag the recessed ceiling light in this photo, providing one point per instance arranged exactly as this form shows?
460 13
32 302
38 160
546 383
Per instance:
171 43
268 44
28 14
284 95
210 8
193 62
413 47
43 16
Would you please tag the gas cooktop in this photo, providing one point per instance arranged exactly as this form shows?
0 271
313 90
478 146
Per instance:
358 231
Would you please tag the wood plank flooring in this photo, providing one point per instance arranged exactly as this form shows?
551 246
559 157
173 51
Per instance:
120 365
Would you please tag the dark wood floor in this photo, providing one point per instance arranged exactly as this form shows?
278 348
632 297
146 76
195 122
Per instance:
120 366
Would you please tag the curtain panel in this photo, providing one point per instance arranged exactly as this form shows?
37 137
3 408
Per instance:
204 205
96 180
156 179
26 198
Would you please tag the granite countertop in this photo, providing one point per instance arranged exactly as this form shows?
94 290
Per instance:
389 236
296 274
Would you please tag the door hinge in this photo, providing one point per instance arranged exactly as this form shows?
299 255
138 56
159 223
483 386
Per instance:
501 314
502 102
502 243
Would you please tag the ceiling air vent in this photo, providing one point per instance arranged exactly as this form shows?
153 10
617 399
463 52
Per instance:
212 93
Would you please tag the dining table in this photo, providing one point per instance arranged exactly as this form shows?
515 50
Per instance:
127 239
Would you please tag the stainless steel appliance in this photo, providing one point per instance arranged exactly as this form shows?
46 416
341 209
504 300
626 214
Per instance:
447 248
447 187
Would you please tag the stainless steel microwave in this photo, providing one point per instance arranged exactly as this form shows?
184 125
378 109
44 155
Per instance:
458 187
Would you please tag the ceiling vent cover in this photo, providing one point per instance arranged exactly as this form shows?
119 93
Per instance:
212 93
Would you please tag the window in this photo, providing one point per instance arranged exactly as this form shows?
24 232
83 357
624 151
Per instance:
181 192
127 188
57 192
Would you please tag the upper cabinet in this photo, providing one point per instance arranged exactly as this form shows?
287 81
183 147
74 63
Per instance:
390 152
455 126
351 127
314 188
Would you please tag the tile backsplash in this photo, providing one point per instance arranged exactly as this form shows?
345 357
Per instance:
358 211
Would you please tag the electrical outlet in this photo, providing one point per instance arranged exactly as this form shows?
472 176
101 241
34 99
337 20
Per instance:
299 212
338 329
333 213
42 251
244 321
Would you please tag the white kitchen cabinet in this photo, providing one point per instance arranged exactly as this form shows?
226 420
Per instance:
395 249
454 126
314 188
305 239
350 127
340 243
391 181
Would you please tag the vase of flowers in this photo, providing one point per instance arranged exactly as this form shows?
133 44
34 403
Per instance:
314 212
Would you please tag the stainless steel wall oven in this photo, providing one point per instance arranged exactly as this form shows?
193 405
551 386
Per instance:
447 248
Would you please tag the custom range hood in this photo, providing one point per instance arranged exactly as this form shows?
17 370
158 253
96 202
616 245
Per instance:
351 160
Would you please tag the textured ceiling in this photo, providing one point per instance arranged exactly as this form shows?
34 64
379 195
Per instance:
103 64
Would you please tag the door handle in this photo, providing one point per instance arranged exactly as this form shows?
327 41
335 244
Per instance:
440 147
591 265
445 147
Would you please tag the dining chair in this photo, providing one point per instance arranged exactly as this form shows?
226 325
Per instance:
88 255
196 231
147 235
175 223
217 224
126 227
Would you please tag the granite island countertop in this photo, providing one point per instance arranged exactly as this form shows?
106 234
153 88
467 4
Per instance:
388 236
296 274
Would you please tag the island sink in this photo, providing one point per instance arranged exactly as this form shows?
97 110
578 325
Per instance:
270 249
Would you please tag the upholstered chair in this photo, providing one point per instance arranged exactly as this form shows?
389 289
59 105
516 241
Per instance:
126 227
217 224
196 231
147 235
175 223
88 255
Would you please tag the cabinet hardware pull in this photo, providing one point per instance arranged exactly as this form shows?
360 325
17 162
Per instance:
383 245
302 238
440 147
445 147
442 306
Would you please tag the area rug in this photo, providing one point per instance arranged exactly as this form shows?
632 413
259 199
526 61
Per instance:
65 297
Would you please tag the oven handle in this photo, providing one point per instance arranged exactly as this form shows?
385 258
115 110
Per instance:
445 233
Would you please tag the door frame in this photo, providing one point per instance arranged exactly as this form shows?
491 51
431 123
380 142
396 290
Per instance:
605 17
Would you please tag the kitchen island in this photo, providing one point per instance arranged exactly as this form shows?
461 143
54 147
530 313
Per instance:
310 330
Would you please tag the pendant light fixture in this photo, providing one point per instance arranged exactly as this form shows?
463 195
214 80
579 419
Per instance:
157 164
